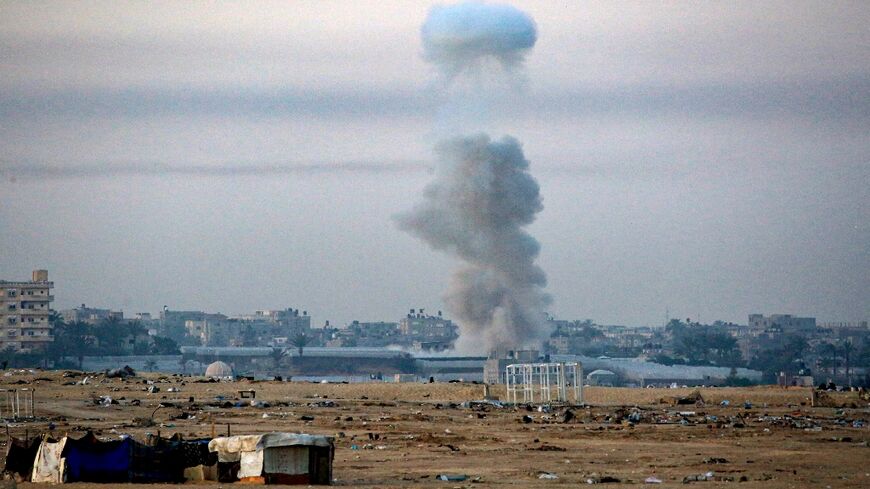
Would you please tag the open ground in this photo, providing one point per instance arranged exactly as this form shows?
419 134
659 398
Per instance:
404 435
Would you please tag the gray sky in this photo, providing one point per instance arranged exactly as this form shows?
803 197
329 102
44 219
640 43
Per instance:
709 158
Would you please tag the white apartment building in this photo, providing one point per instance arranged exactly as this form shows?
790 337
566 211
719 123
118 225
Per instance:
24 311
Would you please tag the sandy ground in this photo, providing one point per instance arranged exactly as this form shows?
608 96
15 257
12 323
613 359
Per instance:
421 430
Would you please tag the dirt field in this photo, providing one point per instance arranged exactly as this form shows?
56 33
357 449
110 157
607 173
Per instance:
403 435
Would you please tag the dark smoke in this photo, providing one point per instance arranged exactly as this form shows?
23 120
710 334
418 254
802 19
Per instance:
482 197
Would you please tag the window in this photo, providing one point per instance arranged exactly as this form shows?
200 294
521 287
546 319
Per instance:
30 333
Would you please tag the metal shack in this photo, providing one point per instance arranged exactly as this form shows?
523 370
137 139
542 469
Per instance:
278 458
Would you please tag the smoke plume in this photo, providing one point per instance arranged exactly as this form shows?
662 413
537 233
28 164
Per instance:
483 195
475 209
463 37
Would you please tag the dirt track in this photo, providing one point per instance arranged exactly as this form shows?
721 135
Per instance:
422 430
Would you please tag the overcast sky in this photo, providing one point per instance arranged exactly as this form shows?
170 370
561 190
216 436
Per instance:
707 159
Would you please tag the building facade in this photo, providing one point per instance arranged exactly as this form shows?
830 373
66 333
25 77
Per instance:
90 315
785 323
25 308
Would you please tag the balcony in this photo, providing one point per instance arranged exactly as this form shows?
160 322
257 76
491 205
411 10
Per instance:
33 312
31 339
34 298
34 325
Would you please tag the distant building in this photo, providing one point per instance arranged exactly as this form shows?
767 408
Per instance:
263 328
785 323
425 327
172 323
90 315
289 320
602 377
25 308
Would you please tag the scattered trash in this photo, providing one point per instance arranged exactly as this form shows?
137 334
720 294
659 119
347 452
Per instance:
694 398
605 479
707 476
548 476
652 480
451 477
550 448
715 460
725 403
120 373
153 389
527 419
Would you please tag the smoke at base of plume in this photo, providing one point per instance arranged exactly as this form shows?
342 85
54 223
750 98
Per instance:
458 38
482 197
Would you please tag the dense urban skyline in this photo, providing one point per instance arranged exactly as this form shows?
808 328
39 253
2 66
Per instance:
710 161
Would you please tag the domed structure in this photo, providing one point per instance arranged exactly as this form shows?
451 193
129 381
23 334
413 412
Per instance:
219 370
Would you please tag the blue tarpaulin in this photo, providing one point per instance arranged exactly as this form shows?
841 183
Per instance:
90 460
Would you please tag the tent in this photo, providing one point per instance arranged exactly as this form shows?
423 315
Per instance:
48 464
90 460
277 458
20 455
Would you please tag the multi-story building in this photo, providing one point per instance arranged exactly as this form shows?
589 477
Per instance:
25 308
424 327
785 323
90 315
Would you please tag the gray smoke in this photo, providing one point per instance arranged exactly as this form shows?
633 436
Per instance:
483 194
482 197
462 37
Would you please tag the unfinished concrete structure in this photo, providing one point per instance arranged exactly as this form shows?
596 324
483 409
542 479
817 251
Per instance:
544 382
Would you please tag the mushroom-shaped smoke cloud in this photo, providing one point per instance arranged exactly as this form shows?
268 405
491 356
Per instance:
460 37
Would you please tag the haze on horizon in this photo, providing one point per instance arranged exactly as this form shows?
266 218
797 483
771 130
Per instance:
709 159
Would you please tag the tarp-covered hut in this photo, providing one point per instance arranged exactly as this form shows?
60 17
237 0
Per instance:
20 454
278 458
89 459
48 464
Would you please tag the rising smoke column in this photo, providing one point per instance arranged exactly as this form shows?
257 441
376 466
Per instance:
483 194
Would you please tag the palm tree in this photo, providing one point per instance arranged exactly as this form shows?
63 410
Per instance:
277 355
300 341
847 350
831 349
150 365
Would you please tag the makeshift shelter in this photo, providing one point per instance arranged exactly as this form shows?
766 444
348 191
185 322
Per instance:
20 455
278 458
90 460
48 464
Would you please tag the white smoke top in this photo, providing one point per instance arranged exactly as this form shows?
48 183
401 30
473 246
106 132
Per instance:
466 36
483 195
